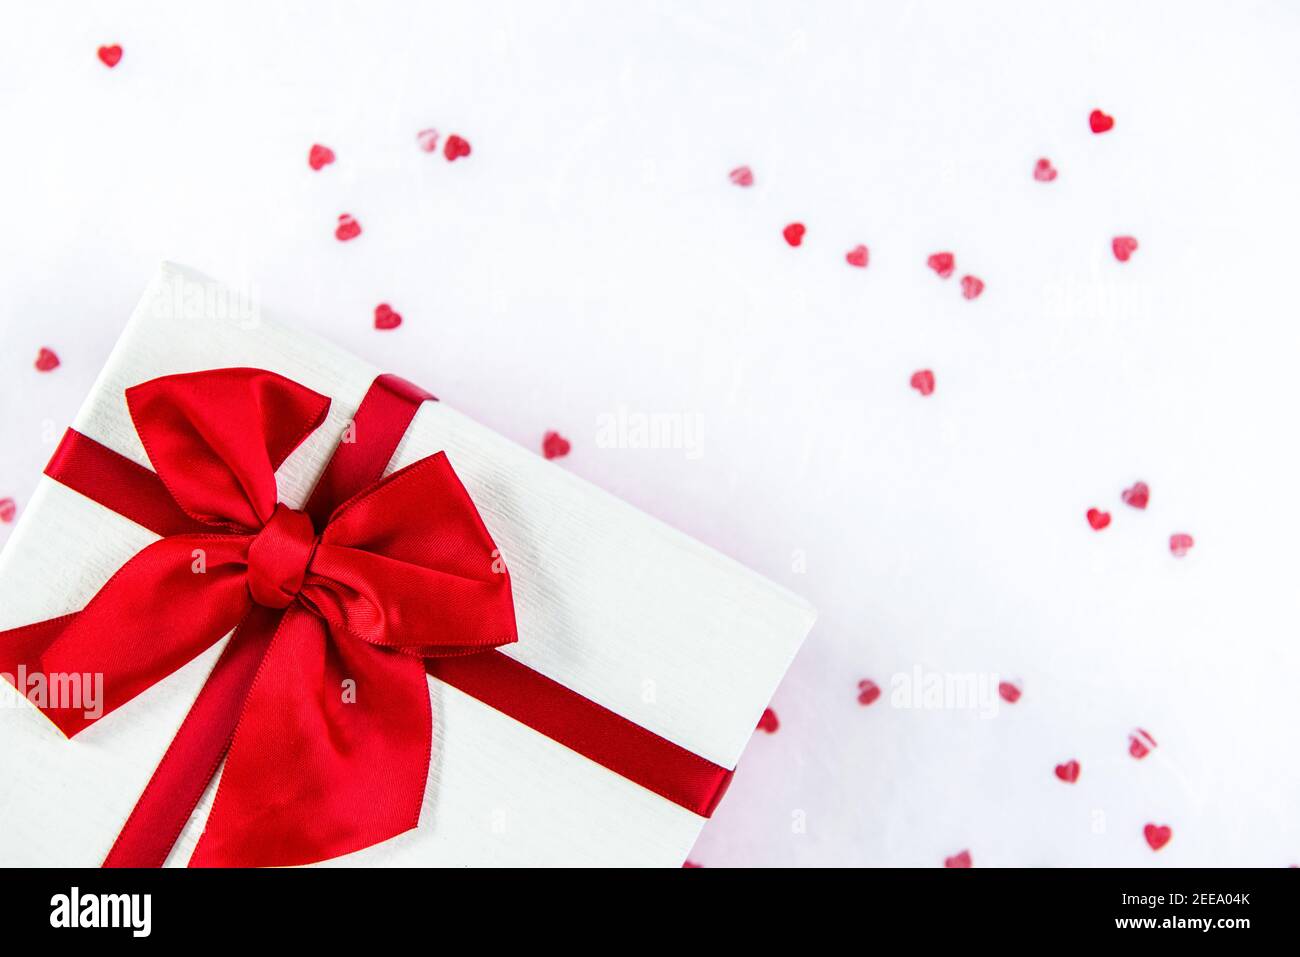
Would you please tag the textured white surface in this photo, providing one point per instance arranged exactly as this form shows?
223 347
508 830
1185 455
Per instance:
591 255
609 602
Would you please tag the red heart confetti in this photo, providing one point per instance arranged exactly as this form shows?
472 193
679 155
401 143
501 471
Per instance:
1068 772
1009 692
742 176
1140 744
1123 247
46 360
1044 171
961 859
319 156
348 228
942 263
1098 519
768 722
691 864
427 140
1137 496
455 148
554 445
8 509
1180 543
1157 835
386 318
868 692
857 256
1100 122
923 381
971 286
110 55
793 233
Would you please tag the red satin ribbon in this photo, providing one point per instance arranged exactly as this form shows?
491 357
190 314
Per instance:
400 579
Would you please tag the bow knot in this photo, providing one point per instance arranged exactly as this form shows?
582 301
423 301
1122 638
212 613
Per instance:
279 557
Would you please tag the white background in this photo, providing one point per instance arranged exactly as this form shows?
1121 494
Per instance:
591 255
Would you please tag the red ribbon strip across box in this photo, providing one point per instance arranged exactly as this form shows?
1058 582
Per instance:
343 616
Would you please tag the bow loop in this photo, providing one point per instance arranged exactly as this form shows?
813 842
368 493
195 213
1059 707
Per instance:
215 438
164 606
409 565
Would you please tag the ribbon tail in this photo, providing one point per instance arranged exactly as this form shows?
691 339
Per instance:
331 753
196 752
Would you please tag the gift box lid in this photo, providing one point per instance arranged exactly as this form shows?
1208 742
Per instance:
610 602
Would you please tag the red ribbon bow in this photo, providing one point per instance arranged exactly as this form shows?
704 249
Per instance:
329 751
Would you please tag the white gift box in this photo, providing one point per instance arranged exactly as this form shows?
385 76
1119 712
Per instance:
609 602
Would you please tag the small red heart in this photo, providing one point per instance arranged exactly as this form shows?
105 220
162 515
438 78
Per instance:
958 860
1010 693
110 55
868 691
692 864
923 381
1068 772
1140 744
1180 543
1098 519
857 256
1137 496
768 722
348 228
1044 171
46 360
742 176
971 286
793 233
8 509
319 156
1123 247
554 445
455 148
1100 122
942 263
1157 835
427 139
386 318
